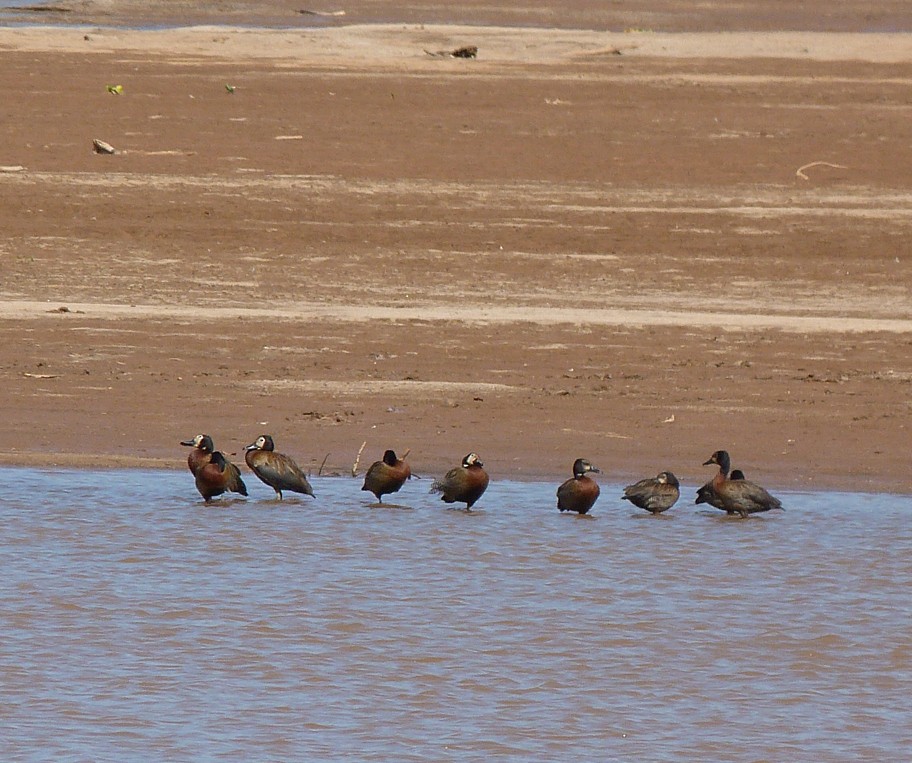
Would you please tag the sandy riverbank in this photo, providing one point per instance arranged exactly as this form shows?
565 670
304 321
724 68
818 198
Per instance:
581 243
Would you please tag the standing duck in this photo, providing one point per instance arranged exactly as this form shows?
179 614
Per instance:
736 496
214 474
580 492
657 494
276 469
706 494
386 476
464 484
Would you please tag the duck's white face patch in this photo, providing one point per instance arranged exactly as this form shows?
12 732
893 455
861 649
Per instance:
261 441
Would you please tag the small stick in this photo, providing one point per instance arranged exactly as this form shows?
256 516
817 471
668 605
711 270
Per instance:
358 459
405 455
800 171
320 471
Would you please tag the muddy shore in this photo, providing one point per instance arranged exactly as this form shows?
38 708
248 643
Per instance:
634 246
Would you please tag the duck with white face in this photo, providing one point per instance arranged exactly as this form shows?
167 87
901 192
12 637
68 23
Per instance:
655 494
277 470
463 484
214 474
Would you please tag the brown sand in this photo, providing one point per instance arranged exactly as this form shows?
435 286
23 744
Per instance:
583 243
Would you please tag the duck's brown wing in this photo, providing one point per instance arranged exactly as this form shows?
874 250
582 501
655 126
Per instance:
652 495
233 480
281 473
565 495
640 492
462 484
382 478
747 496
376 477
449 484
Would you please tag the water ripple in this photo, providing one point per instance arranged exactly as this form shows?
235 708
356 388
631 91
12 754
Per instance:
140 624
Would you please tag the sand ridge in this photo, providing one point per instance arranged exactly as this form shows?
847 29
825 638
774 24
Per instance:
481 314
402 47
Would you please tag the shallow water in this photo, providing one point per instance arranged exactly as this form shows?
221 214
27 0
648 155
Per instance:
139 624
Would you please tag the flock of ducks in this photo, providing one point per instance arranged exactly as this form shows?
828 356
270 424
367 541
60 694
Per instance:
215 474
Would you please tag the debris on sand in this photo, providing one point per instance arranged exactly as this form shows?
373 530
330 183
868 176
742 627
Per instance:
468 51
40 8
308 12
100 147
115 89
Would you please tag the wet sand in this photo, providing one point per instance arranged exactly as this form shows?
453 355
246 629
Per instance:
635 246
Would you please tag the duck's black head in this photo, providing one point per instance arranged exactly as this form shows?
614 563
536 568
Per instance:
581 466
389 458
263 442
721 458
471 460
202 441
737 474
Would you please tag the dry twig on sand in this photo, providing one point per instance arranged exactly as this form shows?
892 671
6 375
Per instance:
308 12
358 459
800 171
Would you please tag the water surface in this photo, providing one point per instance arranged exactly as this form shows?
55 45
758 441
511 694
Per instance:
139 624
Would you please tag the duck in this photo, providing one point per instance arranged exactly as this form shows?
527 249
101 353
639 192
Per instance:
463 484
387 475
738 496
580 492
214 474
656 494
277 470
706 494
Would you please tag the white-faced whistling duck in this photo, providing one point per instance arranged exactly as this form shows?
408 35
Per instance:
737 496
706 494
386 476
277 470
463 484
655 494
214 474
